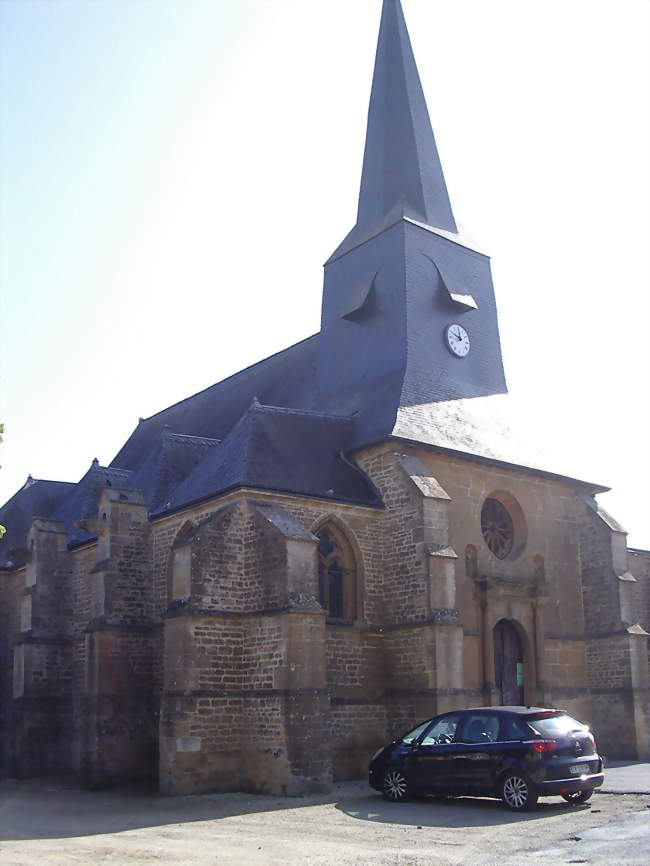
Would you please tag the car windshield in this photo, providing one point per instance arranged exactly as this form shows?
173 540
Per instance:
415 733
555 726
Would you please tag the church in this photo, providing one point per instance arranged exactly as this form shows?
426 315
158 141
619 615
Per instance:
275 576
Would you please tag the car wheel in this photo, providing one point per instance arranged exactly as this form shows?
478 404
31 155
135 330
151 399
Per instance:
577 797
517 792
395 788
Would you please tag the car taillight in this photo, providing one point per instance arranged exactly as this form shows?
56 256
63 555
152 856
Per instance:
593 741
544 746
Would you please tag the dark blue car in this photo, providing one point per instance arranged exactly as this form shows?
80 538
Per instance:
515 753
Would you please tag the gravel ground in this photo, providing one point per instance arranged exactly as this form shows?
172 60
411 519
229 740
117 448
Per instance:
49 823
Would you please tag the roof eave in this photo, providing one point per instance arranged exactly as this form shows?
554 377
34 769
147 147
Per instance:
490 461
458 239
261 489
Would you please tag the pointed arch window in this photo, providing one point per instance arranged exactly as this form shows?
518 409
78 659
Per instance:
337 574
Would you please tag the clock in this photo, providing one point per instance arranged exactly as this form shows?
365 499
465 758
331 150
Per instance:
457 340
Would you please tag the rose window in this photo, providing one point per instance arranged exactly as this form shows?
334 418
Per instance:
497 528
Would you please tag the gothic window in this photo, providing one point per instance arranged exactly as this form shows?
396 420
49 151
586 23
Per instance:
337 574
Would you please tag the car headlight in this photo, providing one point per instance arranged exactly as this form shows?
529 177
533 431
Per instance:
377 754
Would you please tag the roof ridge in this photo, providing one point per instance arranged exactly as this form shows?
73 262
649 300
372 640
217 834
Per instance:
50 481
183 436
113 469
248 423
286 410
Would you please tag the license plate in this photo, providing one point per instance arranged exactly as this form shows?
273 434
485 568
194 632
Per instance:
576 770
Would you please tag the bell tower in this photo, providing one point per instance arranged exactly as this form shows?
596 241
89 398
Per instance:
409 315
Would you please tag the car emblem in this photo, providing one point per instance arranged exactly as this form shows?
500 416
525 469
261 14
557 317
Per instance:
578 747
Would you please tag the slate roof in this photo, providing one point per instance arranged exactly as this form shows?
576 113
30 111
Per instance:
483 427
170 461
283 450
82 503
35 499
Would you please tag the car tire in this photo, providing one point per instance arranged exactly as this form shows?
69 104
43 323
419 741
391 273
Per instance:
395 786
577 797
518 793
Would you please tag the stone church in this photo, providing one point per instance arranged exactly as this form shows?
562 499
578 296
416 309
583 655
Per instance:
276 575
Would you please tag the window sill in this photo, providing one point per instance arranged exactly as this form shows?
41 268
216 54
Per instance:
332 620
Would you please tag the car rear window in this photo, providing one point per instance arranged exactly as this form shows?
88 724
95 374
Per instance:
555 726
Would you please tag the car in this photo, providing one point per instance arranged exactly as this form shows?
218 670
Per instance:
515 753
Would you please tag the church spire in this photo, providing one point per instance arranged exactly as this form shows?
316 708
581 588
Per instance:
402 174
401 164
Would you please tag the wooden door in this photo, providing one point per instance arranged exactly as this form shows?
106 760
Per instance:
508 664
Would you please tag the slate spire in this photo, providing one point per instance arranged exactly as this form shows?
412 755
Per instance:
402 174
401 163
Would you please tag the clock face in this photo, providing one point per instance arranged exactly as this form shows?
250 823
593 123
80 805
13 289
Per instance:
457 340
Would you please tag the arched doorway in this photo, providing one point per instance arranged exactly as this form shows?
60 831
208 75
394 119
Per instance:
508 663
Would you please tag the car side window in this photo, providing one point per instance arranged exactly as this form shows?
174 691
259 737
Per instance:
480 728
416 732
512 729
442 731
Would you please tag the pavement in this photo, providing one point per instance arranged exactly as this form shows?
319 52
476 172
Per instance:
53 822
624 841
627 777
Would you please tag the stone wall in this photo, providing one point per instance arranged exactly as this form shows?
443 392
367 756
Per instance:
244 704
39 715
82 561
398 592
119 738
273 572
639 566
617 652
357 680
11 592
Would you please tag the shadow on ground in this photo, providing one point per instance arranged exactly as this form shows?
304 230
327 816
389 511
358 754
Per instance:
458 812
56 809
613 765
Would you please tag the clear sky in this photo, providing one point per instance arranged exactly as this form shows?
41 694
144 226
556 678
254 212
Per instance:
174 173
